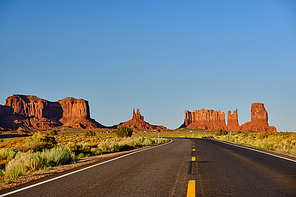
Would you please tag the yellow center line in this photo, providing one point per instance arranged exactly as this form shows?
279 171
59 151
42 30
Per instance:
191 188
193 149
193 159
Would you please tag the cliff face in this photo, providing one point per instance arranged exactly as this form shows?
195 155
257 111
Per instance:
204 119
232 120
210 119
22 111
259 119
137 122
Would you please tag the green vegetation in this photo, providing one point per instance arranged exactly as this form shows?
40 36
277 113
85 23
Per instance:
124 132
38 142
22 162
221 132
53 132
89 133
6 154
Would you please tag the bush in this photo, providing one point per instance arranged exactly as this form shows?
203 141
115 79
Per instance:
58 156
26 161
221 132
89 133
53 132
17 170
208 137
6 154
39 141
124 132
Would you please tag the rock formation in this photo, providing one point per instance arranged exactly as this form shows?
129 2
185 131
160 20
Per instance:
210 119
137 122
204 119
31 112
259 119
232 120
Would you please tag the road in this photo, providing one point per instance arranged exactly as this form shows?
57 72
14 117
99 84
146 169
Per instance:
219 169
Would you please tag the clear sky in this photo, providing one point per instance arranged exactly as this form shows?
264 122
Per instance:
163 57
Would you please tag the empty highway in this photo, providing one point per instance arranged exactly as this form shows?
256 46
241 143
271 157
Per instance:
212 168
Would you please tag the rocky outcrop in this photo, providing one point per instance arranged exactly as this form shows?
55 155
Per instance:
259 119
232 120
137 122
31 112
210 119
75 113
204 119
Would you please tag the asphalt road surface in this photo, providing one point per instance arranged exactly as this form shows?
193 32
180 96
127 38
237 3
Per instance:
212 168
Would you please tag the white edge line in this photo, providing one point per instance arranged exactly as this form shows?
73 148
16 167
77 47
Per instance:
34 185
255 150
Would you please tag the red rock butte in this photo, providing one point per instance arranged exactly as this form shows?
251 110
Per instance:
210 119
232 120
137 122
31 112
259 119
205 119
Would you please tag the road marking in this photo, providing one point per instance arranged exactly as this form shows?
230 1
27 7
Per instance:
193 159
256 151
193 149
49 180
191 188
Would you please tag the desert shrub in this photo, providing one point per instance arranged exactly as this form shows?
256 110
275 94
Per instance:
34 161
89 133
53 132
19 160
74 146
124 132
80 155
221 132
13 171
208 137
58 156
6 154
108 146
39 141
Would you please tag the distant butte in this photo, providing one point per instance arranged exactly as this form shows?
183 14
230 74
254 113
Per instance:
137 122
204 119
232 120
259 119
31 112
210 119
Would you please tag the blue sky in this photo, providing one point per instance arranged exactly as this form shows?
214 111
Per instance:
163 57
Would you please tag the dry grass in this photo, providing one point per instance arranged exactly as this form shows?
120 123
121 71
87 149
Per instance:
281 142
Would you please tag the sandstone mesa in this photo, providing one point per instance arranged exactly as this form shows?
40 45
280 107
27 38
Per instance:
31 112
